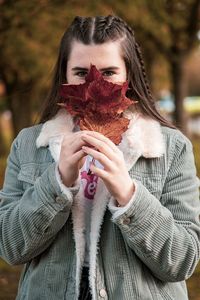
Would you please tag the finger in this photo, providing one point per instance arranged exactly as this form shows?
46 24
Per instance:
107 163
101 146
76 157
99 172
70 137
102 138
77 145
73 143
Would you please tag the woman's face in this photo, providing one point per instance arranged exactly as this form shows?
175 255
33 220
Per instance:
106 57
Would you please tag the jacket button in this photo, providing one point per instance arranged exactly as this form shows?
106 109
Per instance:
60 200
102 293
127 221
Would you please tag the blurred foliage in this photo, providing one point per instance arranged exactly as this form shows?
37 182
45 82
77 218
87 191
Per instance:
30 36
167 28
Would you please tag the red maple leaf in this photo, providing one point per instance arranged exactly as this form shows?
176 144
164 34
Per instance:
108 126
75 98
99 104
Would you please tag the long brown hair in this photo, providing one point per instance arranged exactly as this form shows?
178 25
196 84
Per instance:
98 30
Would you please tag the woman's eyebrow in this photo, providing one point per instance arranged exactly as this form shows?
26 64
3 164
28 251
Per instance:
103 69
110 68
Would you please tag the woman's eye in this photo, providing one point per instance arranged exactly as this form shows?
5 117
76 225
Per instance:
81 74
108 73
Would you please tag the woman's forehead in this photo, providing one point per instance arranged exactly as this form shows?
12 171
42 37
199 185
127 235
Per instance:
101 55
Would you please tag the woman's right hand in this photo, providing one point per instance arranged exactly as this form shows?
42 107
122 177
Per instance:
72 157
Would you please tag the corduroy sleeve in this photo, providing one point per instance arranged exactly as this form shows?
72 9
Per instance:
165 234
30 220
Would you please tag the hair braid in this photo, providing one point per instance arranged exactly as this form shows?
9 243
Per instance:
102 25
139 54
130 35
105 30
109 22
130 32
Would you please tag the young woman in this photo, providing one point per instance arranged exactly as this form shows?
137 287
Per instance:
130 231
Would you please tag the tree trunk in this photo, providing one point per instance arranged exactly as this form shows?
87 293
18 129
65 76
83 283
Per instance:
20 108
19 103
179 92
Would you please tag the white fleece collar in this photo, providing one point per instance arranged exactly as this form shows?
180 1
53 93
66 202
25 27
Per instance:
142 138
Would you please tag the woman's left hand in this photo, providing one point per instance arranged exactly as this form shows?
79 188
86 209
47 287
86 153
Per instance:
115 174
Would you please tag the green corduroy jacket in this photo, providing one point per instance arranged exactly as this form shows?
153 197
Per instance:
145 251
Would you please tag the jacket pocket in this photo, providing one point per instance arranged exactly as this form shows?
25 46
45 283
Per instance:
152 182
30 172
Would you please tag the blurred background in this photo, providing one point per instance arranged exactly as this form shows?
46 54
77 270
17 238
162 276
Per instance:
30 32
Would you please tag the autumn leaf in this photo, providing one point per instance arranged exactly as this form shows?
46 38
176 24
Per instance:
99 104
106 96
75 98
109 127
